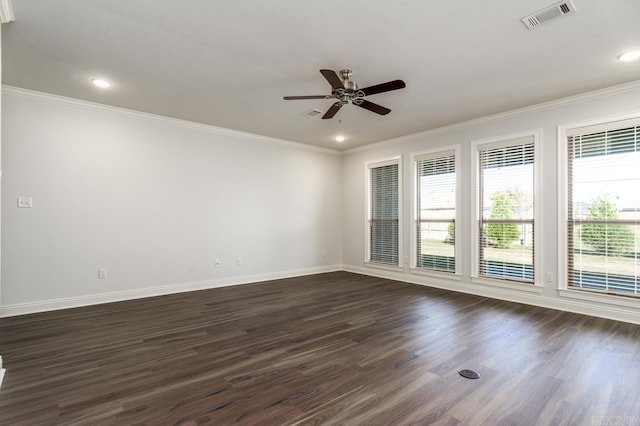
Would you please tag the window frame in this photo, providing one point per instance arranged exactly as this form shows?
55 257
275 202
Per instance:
476 278
563 131
367 252
413 238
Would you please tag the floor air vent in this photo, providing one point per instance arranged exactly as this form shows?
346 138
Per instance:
469 374
548 14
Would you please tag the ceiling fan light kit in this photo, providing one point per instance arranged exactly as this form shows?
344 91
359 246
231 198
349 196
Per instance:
346 91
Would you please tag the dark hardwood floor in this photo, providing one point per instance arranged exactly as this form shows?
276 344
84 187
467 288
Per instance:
335 348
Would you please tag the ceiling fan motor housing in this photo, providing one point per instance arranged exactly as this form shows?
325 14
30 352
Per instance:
350 85
350 92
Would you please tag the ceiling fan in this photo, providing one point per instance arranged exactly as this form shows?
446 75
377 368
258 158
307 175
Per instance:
346 91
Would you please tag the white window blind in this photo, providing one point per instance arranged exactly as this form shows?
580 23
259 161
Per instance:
383 220
506 210
436 211
604 209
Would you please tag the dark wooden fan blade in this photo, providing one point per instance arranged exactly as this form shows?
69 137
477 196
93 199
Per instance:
384 87
333 79
378 109
332 111
292 98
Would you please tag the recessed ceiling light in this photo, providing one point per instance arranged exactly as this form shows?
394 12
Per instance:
339 138
103 84
629 56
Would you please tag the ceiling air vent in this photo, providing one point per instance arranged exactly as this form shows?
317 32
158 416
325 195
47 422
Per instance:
311 113
548 14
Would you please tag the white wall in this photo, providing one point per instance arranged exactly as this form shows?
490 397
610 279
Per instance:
154 201
615 101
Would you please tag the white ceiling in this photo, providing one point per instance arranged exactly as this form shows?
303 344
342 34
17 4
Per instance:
229 62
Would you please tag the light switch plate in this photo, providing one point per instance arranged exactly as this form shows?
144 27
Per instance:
25 202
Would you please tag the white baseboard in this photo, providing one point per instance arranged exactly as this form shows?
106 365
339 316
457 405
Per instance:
95 299
585 307
1 376
2 371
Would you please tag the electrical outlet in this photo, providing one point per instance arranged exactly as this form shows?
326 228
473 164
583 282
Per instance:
25 202
324 254
218 262
102 273
238 261
548 277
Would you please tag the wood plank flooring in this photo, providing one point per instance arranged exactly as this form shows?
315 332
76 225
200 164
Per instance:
335 348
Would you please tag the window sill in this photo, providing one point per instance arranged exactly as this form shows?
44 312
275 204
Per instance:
530 288
590 296
436 274
392 268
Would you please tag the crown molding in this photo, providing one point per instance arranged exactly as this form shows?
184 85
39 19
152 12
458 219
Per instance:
608 91
48 97
6 11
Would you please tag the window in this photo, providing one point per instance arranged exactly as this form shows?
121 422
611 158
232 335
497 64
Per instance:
505 210
435 211
384 219
603 207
